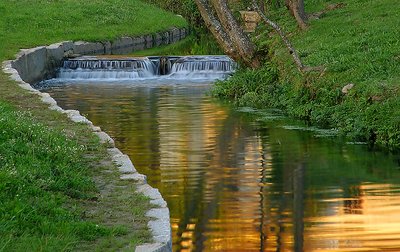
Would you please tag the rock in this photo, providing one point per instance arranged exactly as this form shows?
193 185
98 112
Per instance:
183 33
165 38
67 45
85 48
153 247
31 64
157 39
139 43
107 47
124 164
105 138
134 177
347 88
148 41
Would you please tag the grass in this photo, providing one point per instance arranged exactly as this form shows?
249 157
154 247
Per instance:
191 45
358 44
58 189
28 23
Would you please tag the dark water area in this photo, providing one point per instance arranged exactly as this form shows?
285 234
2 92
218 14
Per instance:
243 180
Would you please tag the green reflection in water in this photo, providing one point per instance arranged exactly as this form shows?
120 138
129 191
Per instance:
236 180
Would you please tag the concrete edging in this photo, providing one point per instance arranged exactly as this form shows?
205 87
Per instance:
39 63
36 64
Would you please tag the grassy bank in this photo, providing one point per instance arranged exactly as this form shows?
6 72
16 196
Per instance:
58 189
358 44
204 44
29 23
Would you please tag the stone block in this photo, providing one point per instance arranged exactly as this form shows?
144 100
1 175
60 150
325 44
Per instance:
149 191
105 138
183 33
175 34
55 55
153 247
122 42
139 43
98 48
148 41
159 202
95 128
161 230
157 39
75 116
107 47
55 52
122 45
134 176
158 213
46 98
31 64
86 48
68 45
79 47
114 152
124 164
139 40
166 38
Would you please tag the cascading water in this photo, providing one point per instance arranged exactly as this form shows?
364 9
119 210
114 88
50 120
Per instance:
102 68
214 67
172 67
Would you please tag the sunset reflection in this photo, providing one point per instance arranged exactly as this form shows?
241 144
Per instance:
370 223
233 183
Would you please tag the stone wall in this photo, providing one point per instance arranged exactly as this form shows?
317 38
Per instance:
40 63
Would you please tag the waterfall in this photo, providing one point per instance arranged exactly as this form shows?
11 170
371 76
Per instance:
171 67
203 67
99 68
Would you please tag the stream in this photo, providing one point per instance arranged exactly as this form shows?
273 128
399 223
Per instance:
239 179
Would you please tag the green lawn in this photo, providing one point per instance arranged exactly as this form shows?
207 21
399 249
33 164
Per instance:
28 23
58 189
358 44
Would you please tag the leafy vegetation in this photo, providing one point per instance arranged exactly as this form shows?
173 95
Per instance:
358 44
52 171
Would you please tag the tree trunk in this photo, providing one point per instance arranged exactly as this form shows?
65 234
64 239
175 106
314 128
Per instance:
296 8
241 41
228 33
216 28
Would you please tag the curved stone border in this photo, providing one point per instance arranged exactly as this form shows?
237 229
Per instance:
36 64
160 225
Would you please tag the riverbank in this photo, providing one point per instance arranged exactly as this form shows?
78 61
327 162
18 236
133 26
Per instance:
59 188
358 44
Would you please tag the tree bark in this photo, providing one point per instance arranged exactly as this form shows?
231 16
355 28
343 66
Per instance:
241 41
299 13
296 8
216 28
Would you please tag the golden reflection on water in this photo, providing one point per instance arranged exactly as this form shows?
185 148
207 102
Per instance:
368 222
236 185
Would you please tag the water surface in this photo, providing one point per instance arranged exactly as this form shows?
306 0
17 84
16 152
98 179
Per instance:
236 180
